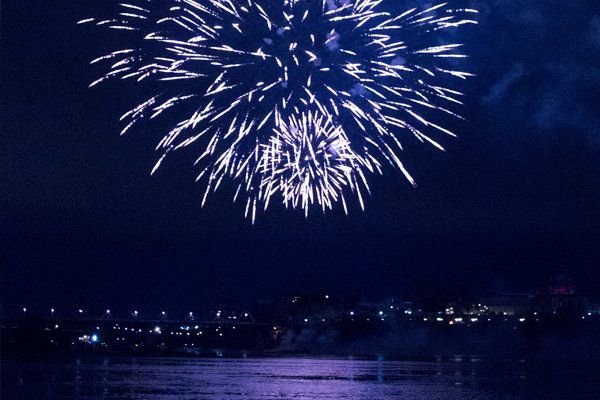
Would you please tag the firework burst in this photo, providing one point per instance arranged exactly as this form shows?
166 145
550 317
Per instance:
297 99
309 160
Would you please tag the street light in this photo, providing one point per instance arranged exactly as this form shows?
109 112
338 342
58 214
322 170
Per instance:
52 312
24 312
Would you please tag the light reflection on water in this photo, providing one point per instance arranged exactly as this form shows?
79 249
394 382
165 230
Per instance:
291 378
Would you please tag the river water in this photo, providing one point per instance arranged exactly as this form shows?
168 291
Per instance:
144 378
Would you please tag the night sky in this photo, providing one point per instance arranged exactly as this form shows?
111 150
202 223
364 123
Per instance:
513 202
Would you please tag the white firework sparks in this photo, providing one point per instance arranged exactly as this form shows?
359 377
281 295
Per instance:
290 97
309 160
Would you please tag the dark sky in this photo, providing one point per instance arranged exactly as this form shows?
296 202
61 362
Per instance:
512 203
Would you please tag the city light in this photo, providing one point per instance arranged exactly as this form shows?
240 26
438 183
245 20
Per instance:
312 311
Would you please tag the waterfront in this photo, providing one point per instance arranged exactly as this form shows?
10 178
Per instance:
147 378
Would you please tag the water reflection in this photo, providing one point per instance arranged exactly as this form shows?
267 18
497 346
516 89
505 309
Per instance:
290 378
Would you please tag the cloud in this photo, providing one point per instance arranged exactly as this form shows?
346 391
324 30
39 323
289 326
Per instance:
333 41
500 89
595 31
567 99
540 60
525 13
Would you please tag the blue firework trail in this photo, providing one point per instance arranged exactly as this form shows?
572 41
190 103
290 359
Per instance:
294 100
